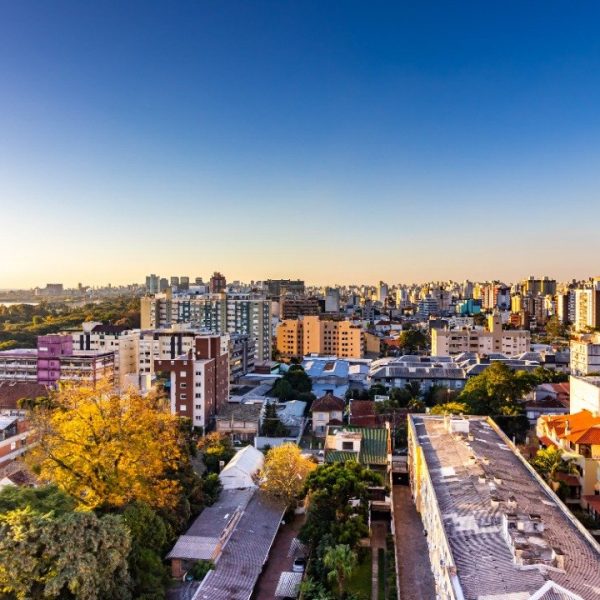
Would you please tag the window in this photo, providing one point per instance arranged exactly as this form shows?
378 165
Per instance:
347 446
182 408
183 385
183 396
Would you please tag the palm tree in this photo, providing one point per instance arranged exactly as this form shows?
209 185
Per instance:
549 463
340 560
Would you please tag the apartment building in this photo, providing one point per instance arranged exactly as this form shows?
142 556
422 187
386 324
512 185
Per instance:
587 307
585 354
19 365
313 335
494 528
198 379
218 313
449 342
293 307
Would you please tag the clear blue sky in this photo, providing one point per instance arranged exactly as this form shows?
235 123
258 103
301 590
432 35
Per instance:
335 141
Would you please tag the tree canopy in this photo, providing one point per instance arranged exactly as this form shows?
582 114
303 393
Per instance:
75 555
106 450
285 471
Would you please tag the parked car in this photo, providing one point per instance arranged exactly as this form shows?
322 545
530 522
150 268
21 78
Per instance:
299 565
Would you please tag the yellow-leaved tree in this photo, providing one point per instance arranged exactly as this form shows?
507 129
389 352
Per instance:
105 449
284 472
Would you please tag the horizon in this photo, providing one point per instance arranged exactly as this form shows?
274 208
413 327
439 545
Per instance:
331 141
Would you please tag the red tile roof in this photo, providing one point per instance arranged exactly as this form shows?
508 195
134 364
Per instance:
328 403
11 392
362 412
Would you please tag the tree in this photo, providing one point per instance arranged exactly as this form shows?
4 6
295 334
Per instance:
330 489
76 555
107 450
412 341
556 330
215 448
272 425
44 499
285 471
496 391
341 561
450 408
549 463
148 541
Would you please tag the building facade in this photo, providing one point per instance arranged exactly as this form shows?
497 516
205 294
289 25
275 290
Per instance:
449 342
313 335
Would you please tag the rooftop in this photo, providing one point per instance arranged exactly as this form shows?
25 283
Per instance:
245 552
509 535
373 446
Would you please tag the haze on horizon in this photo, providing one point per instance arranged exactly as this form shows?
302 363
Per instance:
334 143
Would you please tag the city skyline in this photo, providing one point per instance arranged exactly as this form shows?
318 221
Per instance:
322 142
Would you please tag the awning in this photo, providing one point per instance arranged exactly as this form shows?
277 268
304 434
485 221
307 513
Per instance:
289 585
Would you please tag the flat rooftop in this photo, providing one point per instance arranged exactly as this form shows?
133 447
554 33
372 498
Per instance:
484 490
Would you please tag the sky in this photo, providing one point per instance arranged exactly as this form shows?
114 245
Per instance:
332 141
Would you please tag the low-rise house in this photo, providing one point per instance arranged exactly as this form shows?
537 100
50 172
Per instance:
362 413
427 371
328 375
240 421
326 410
578 437
236 533
370 446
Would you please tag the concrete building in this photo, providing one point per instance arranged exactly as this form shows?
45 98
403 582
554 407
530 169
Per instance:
585 394
19 365
199 380
313 335
449 342
293 307
587 308
585 354
281 287
332 300
495 530
427 371
217 283
216 313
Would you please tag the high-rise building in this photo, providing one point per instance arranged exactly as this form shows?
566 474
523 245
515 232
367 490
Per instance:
332 300
217 283
587 307
543 287
153 284
174 281
313 335
280 287
184 283
217 313
199 379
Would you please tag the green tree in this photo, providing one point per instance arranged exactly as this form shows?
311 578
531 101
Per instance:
44 499
549 463
272 425
340 561
75 555
496 391
330 488
412 341
148 534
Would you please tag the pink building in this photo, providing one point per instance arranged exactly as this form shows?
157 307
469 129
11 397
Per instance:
50 349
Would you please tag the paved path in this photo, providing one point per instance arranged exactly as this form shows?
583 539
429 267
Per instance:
378 535
416 579
278 560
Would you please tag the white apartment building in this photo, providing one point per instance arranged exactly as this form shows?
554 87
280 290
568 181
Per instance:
449 342
218 313
585 354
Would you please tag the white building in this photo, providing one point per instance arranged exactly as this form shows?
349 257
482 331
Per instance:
585 394
585 354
